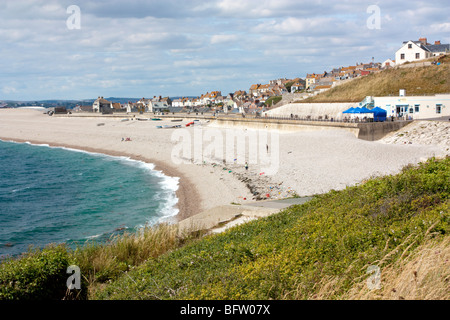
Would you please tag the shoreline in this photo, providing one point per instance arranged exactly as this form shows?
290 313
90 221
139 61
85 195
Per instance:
308 163
185 187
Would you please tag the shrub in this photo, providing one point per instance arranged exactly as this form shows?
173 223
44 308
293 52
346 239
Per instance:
273 100
37 275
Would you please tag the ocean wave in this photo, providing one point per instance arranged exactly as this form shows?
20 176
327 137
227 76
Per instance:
167 183
20 189
149 210
37 145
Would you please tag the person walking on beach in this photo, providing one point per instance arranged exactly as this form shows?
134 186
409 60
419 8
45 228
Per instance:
246 165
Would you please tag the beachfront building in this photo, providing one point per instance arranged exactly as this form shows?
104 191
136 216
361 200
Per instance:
209 98
187 102
144 105
177 103
131 107
102 105
412 51
415 107
78 108
157 104
117 107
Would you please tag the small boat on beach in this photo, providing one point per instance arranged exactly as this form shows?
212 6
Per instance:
175 120
156 119
168 127
142 119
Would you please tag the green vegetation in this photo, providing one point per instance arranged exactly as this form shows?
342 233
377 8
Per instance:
288 85
42 274
273 100
321 249
416 81
285 256
38 275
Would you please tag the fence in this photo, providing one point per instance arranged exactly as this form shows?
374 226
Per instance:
297 118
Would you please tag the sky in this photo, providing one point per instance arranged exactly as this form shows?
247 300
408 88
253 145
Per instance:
58 49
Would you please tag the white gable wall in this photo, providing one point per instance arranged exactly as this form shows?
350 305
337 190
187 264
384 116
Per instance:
410 53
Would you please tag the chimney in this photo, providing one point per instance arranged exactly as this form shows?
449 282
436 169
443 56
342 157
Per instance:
437 42
423 40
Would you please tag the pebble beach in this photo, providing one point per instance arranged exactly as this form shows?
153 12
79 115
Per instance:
308 163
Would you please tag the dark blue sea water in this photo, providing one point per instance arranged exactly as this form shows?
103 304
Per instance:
57 195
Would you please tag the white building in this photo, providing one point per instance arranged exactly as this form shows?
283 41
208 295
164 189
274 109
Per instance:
415 107
102 105
412 51
145 105
178 103
159 103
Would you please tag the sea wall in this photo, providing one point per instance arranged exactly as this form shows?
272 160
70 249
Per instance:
315 110
366 131
371 131
284 125
377 130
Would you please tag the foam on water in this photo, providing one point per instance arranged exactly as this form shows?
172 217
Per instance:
169 184
152 198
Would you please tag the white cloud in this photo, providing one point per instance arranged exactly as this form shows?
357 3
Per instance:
440 27
134 46
291 25
224 38
8 90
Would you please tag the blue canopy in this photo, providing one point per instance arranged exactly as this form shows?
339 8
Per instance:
379 110
379 114
365 110
351 110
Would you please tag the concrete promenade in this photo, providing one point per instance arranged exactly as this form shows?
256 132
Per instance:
220 218
370 131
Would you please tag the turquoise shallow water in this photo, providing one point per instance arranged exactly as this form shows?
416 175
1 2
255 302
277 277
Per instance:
58 195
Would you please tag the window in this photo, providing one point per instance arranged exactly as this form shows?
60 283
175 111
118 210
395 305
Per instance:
418 55
438 108
409 45
402 56
411 110
416 108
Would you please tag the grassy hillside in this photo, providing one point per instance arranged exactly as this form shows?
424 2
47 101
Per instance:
292 255
417 81
322 249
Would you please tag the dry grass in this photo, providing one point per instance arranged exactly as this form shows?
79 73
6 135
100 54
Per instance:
416 81
101 263
423 275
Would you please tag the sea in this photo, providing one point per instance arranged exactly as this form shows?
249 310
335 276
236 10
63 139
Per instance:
53 195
